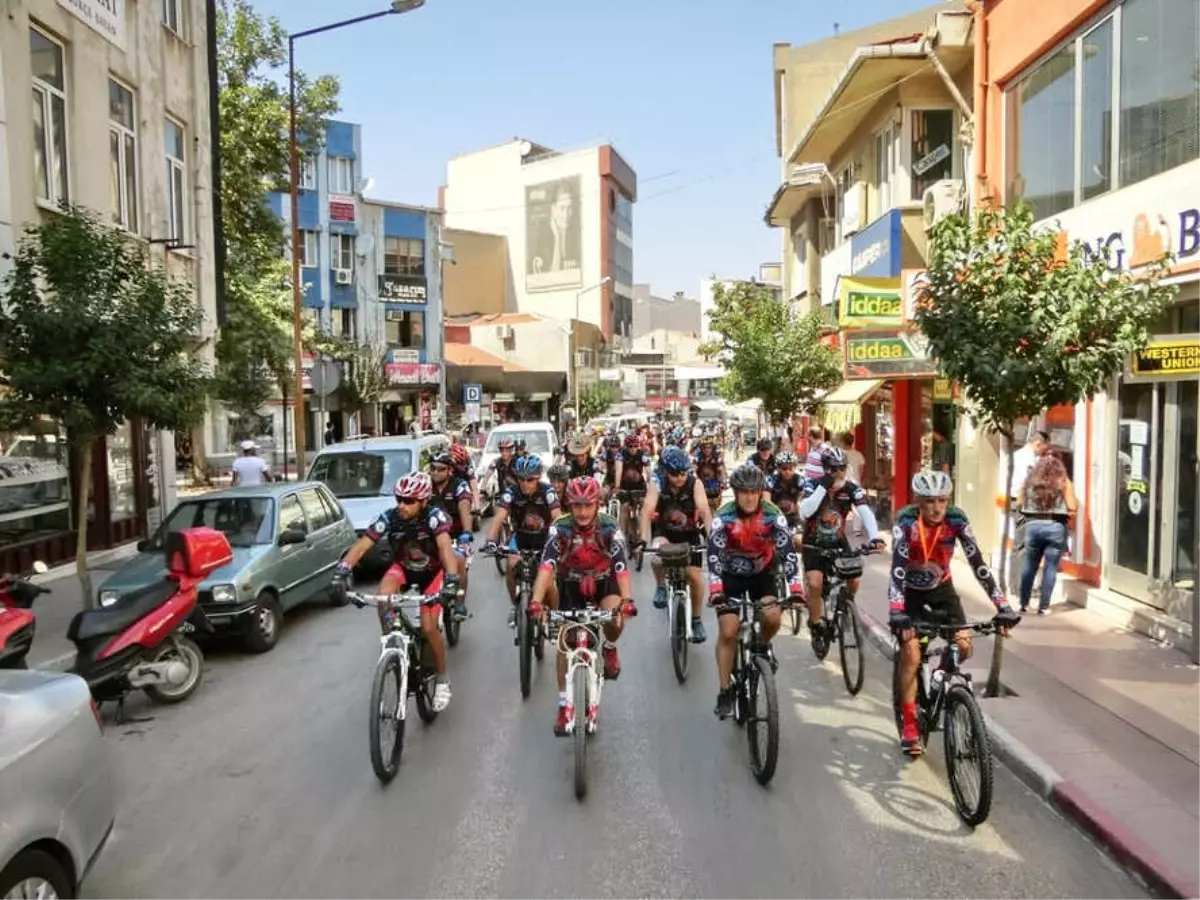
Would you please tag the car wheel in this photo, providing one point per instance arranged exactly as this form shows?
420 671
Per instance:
264 623
35 873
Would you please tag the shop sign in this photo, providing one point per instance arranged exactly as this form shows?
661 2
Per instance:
413 373
341 208
875 251
307 362
404 355
945 390
888 354
1166 358
866 302
105 17
402 288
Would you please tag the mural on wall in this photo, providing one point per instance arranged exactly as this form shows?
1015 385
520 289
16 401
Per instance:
552 235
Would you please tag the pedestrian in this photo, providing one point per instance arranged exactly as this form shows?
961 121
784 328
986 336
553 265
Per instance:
1047 501
814 469
856 463
250 468
330 436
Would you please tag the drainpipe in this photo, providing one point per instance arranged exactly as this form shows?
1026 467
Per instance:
980 192
927 43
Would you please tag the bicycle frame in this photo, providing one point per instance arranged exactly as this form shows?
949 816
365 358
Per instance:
403 634
931 689
675 578
579 639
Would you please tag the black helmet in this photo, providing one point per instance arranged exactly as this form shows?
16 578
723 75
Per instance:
559 473
442 458
747 477
764 443
832 458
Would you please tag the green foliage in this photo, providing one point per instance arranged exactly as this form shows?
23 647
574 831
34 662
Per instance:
595 399
255 350
767 353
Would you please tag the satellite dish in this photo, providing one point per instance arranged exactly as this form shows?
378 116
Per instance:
364 245
365 185
526 148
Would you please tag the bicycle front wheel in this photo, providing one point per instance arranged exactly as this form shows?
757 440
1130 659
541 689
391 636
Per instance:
763 719
968 756
580 698
525 644
679 638
796 614
386 725
849 633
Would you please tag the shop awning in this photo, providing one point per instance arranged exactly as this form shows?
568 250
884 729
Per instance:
841 409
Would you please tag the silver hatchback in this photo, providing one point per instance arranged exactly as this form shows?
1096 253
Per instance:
57 785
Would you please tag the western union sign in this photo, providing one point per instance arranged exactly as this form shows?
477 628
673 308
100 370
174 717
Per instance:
1167 358
870 302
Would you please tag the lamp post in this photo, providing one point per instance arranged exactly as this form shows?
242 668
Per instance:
301 424
572 362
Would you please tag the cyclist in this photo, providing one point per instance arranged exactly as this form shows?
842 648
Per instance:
502 465
923 541
675 510
826 505
763 459
606 458
632 463
419 533
710 467
784 488
748 538
580 462
531 506
453 495
585 554
558 476
460 456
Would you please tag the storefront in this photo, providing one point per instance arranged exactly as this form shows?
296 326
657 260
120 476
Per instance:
412 393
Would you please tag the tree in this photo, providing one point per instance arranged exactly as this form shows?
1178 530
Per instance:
1023 329
364 378
254 354
768 353
92 334
595 399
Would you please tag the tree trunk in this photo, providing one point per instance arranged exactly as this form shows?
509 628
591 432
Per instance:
83 481
199 459
993 681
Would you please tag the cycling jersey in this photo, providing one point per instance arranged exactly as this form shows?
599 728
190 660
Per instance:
675 517
447 498
708 469
766 465
413 541
785 493
467 472
633 469
590 557
530 514
590 467
744 546
825 511
504 472
921 555
606 461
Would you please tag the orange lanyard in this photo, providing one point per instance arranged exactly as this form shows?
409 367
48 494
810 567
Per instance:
925 544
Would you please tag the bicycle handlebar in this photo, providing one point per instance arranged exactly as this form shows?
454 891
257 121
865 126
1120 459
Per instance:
846 552
393 601
929 629
583 616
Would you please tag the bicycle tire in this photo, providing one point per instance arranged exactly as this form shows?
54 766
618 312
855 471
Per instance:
386 762
501 559
763 759
525 644
579 688
539 640
679 639
425 684
451 624
796 618
959 695
848 625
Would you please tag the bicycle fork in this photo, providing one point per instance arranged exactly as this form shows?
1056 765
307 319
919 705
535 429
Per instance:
675 589
392 644
586 659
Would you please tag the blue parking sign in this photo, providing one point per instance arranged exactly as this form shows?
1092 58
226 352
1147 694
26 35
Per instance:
472 393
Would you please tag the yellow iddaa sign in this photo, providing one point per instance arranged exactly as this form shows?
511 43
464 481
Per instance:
869 303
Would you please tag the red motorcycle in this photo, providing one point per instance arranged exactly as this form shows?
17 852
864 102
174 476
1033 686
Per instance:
17 624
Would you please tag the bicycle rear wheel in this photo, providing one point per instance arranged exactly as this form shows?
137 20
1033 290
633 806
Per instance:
849 633
679 639
387 743
579 685
968 756
525 643
763 719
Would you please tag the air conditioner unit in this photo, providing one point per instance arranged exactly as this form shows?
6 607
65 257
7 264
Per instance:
943 198
343 276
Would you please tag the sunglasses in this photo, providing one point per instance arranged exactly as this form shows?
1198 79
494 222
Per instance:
531 478
438 467
582 505
407 501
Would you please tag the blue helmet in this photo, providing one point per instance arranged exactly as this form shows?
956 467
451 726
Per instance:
529 466
675 459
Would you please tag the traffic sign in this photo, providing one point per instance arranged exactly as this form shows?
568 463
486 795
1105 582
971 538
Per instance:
472 393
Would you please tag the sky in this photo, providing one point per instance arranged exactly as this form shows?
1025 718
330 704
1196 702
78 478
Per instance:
682 89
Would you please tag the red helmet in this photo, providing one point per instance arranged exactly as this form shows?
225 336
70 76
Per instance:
460 456
583 490
506 444
413 486
633 441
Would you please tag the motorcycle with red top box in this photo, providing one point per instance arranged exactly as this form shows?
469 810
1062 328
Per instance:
17 593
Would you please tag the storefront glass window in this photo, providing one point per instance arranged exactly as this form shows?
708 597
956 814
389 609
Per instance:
1184 565
122 502
1041 131
35 496
1137 486
880 455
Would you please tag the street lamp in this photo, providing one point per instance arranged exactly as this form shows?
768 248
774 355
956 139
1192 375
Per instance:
301 425
573 367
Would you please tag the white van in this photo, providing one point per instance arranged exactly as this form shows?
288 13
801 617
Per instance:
621 422
539 438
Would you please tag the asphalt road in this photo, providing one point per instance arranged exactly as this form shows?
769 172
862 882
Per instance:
260 785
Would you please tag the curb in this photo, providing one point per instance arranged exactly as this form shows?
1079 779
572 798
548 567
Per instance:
60 663
1126 848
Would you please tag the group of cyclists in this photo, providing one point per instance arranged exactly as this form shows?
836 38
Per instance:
783 517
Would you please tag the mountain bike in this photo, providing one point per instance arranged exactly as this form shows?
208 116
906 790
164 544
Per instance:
946 701
675 559
634 497
754 666
580 640
839 612
405 663
451 622
530 639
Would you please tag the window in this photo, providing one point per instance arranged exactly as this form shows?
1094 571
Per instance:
308 173
1096 115
176 180
887 168
933 144
314 510
49 118
350 475
291 515
405 328
309 258
122 156
341 175
172 15
345 323
403 256
1041 131
341 247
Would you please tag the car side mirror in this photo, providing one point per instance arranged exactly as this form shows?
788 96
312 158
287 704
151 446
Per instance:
292 536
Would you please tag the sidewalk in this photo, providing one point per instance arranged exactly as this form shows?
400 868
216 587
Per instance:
1104 724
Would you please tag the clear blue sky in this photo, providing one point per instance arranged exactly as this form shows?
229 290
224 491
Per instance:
682 88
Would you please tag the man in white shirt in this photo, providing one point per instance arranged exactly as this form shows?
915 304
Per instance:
856 463
249 468
1026 458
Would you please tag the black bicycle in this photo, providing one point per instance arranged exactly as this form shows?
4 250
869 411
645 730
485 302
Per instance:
675 559
839 612
530 639
755 699
946 701
634 498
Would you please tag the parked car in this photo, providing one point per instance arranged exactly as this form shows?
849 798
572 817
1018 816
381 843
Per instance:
361 473
286 539
57 785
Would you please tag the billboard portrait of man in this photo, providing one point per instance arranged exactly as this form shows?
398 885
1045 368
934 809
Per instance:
552 235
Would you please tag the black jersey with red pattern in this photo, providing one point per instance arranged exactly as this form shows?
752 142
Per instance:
530 514
745 545
414 541
448 496
921 554
634 464
589 467
676 517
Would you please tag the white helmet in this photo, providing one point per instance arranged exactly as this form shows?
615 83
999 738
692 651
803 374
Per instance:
929 483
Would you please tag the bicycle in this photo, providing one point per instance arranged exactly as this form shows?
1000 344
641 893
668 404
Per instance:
839 612
405 659
941 692
451 623
580 639
675 559
502 541
530 639
754 664
634 497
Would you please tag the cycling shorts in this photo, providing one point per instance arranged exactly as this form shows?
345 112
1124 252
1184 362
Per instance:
757 586
570 595
428 583
943 602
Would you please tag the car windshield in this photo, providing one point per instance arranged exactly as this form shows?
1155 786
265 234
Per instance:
246 521
361 473
536 441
